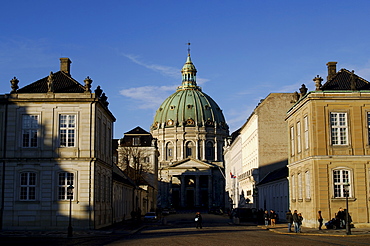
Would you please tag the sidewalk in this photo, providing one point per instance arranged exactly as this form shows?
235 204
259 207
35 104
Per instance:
283 229
118 229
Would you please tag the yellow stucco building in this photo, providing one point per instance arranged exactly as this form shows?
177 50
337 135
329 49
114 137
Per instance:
329 134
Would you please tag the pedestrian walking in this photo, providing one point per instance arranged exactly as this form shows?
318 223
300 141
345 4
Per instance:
300 219
319 219
273 217
198 220
341 217
266 217
289 219
296 221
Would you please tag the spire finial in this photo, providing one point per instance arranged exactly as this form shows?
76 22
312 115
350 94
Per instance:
188 48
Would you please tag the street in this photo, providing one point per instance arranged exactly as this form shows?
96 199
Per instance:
179 229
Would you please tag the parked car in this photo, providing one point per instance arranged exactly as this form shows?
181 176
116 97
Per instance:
150 216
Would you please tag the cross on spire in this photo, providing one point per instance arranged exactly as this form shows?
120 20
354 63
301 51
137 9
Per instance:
188 49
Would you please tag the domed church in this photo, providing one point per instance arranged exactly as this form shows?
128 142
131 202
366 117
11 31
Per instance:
190 129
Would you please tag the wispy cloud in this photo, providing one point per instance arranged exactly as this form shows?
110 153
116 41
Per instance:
165 70
148 97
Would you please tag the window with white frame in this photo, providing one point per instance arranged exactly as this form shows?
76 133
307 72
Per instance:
27 186
305 128
308 184
67 130
292 140
341 178
300 190
292 187
65 179
299 137
339 128
30 125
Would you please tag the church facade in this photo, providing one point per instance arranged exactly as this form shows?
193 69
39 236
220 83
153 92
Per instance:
190 129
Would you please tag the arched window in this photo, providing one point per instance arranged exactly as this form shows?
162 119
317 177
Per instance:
169 151
189 147
210 151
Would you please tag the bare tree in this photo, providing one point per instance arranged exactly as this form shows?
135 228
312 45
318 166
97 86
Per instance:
132 161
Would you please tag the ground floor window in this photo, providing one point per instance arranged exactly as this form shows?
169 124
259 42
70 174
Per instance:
341 178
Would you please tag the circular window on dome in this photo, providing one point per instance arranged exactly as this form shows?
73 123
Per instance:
190 122
170 123
209 123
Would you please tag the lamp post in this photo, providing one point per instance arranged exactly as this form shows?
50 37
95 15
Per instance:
70 195
348 226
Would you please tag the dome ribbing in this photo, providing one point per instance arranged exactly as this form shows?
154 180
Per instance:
189 106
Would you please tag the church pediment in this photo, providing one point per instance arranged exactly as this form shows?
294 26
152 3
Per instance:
191 163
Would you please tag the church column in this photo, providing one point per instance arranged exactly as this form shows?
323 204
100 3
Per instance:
182 193
170 192
197 149
203 149
216 150
197 191
182 149
163 150
210 191
175 157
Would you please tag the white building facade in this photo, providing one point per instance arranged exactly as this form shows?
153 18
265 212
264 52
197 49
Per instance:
55 133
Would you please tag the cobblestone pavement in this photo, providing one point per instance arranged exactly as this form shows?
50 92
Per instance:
172 220
283 229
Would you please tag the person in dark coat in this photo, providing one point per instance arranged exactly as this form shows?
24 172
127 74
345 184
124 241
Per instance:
273 217
319 219
296 221
266 217
300 219
198 220
289 219
341 217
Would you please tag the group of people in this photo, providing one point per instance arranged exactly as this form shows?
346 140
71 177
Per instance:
294 219
270 218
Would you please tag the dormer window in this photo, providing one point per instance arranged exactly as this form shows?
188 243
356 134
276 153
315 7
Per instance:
172 107
136 141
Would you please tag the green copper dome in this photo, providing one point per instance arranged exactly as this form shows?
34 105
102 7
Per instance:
189 106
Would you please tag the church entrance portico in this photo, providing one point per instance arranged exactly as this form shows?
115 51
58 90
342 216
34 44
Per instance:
191 184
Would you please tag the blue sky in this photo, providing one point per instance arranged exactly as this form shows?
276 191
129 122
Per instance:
243 50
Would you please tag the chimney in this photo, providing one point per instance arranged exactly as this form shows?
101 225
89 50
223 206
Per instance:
65 65
332 70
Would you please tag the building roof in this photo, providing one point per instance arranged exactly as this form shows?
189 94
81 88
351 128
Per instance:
62 83
278 174
346 80
137 131
189 106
